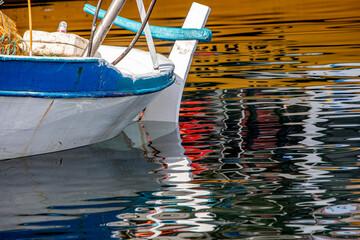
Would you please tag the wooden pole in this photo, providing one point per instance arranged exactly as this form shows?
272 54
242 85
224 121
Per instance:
30 26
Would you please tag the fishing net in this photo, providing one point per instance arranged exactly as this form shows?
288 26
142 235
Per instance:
11 43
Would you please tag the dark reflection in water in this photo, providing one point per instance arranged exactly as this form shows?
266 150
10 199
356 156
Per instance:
267 147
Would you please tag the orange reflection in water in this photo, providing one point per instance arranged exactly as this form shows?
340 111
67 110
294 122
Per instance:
255 43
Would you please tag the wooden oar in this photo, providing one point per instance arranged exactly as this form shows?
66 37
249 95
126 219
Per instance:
163 33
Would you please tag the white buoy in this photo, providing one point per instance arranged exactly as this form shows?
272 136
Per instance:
62 27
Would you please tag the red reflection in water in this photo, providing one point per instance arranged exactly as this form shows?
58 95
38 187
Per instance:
192 133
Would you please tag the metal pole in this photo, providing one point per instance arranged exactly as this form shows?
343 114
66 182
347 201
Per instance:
149 38
105 25
93 28
132 44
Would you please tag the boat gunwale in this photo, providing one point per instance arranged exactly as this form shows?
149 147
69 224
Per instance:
160 80
85 94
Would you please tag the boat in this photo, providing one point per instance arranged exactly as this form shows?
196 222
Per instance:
50 104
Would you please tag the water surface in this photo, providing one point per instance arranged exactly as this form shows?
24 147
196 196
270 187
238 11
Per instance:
267 147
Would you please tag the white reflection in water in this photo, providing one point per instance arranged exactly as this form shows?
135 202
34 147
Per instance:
177 192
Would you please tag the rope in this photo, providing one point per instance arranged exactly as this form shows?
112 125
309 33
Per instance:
11 43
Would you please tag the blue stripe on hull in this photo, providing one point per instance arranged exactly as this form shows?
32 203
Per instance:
71 78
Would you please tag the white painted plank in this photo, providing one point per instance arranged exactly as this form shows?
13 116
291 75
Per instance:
165 107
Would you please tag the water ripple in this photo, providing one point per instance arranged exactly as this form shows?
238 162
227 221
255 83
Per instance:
267 146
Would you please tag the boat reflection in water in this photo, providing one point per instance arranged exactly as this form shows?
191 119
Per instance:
107 185
60 189
179 207
275 168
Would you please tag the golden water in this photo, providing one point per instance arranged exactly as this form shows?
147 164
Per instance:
290 35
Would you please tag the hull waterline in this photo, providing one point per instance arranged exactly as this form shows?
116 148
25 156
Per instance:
32 126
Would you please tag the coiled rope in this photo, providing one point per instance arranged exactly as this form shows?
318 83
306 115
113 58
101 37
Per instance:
11 43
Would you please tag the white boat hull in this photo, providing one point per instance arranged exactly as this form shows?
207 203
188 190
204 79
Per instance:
30 126
53 104
34 123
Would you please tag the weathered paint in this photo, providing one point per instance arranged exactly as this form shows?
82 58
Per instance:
47 77
37 128
32 126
